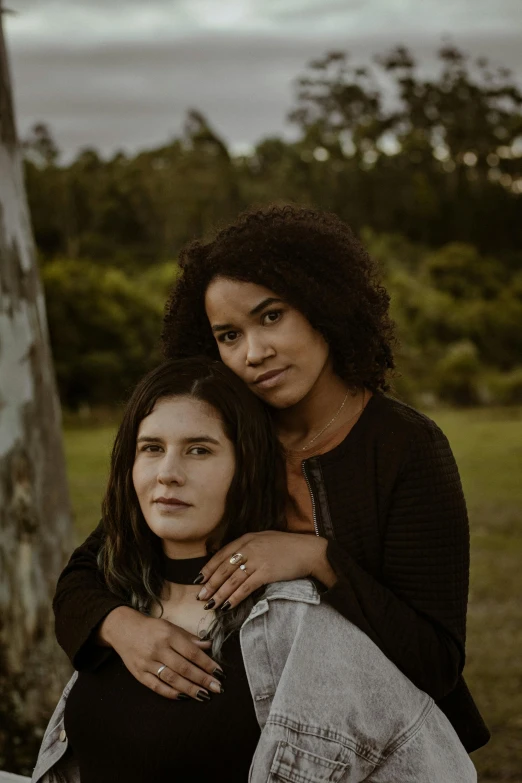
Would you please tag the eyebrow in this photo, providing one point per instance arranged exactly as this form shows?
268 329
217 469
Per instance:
255 311
201 439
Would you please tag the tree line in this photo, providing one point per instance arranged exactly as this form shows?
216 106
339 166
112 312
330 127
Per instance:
428 170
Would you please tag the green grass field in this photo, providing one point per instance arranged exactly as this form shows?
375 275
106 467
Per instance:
488 446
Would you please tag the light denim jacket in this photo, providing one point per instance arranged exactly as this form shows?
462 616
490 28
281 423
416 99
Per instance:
330 705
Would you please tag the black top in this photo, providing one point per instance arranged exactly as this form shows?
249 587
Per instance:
182 572
121 730
390 501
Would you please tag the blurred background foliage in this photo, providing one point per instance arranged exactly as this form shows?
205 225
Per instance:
428 171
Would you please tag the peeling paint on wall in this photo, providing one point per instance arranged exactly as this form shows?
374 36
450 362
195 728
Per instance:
16 386
14 208
35 519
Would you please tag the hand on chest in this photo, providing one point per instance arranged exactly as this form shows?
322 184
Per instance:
189 615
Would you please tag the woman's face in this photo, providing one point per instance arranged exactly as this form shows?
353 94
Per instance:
183 468
268 343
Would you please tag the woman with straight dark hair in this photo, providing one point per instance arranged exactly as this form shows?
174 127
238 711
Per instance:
196 464
254 499
289 300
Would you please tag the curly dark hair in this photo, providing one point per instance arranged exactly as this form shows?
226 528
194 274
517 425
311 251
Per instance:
313 261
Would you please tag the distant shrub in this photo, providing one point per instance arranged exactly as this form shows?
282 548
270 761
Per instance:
504 388
457 374
104 329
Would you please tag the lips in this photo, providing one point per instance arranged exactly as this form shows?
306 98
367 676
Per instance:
173 502
269 379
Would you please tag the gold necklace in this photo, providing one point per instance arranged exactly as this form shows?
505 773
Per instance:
357 413
307 445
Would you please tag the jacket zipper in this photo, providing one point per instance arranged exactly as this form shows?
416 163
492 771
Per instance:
314 509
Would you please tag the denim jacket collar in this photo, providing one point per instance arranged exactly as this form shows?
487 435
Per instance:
300 590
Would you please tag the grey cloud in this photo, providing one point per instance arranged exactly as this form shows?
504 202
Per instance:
312 9
136 95
314 12
411 17
463 13
269 8
23 6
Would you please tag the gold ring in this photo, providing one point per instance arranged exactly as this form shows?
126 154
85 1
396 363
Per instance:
236 559
243 568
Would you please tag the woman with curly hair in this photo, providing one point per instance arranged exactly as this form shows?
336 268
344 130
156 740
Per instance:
289 300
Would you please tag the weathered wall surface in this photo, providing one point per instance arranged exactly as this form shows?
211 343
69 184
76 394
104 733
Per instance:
35 520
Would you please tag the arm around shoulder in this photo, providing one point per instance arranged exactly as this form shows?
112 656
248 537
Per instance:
81 602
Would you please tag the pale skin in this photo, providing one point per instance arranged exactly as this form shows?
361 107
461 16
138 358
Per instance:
257 334
183 467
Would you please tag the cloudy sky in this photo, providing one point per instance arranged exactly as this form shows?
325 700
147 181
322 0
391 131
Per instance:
121 74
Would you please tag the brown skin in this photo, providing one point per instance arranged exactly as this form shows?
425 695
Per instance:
257 338
257 333
265 334
269 556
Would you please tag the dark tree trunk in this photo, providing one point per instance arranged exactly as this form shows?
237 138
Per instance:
35 519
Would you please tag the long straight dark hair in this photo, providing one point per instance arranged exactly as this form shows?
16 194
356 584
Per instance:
131 556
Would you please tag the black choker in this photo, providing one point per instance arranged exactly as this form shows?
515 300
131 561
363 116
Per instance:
183 572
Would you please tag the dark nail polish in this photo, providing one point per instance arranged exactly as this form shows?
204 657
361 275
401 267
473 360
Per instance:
226 606
211 604
219 675
199 579
203 696
183 697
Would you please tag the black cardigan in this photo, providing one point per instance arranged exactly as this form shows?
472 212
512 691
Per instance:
390 501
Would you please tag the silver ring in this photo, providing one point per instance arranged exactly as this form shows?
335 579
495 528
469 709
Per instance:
237 558
243 567
163 666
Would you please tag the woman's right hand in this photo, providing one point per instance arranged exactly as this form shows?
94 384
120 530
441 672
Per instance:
146 643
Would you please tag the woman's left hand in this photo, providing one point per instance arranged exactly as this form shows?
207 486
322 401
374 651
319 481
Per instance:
269 556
